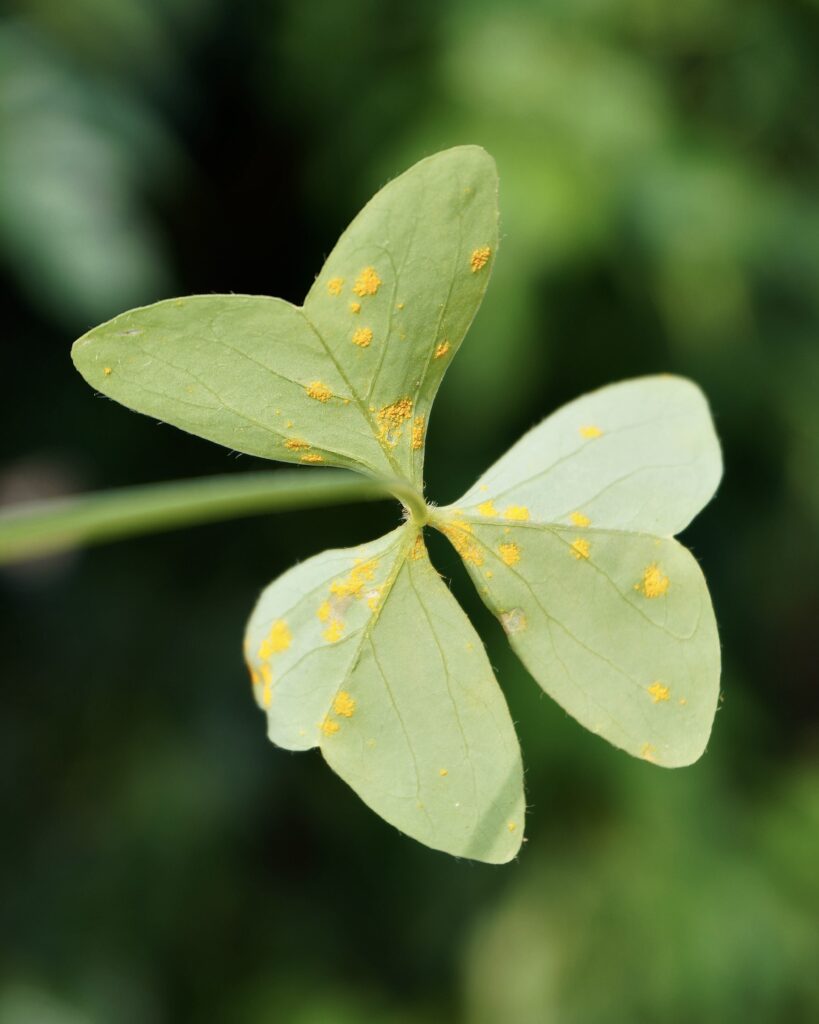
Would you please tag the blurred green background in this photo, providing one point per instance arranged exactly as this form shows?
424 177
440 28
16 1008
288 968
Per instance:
161 862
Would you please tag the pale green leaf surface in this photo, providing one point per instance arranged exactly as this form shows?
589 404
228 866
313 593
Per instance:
566 540
261 376
365 653
425 235
640 455
641 671
237 370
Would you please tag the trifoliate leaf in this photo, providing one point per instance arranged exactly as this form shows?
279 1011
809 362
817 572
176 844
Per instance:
347 380
566 538
365 653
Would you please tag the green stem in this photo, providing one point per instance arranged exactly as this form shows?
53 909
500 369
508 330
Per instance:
411 499
44 527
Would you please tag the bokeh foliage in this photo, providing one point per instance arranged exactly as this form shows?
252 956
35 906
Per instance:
659 213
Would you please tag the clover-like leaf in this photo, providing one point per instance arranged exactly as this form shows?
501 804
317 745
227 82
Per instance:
365 653
345 380
568 539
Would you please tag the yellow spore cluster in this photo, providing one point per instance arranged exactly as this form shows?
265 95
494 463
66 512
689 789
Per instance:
418 549
654 582
334 631
362 337
353 584
487 508
459 534
278 639
390 420
355 307
519 512
441 350
418 433
479 258
580 548
334 285
591 431
659 692
579 519
367 283
344 704
510 553
295 444
267 687
329 727
313 457
321 393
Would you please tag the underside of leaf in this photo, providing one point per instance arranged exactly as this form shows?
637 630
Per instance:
566 538
365 654
349 378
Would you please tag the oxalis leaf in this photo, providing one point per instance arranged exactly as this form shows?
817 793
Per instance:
348 378
364 652
567 538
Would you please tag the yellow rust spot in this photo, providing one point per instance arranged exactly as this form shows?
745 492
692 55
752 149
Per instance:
659 692
511 826
479 258
107 371
334 285
591 431
418 433
510 553
649 752
486 508
321 393
417 550
441 350
295 444
459 533
520 512
344 704
580 548
400 306
312 457
654 582
329 727
443 773
353 584
323 611
391 419
267 688
334 631
367 283
277 640
682 702
579 519
362 337
355 307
